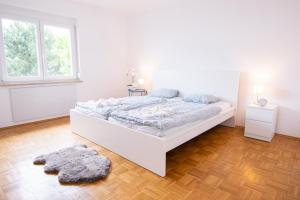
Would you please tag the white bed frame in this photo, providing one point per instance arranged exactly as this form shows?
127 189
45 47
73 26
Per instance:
150 151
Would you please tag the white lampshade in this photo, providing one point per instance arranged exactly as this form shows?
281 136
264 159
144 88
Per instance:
141 81
259 89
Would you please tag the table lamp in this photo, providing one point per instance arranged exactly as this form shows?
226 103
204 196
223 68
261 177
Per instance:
259 91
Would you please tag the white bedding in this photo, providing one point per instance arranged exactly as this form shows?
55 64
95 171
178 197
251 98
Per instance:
157 119
103 107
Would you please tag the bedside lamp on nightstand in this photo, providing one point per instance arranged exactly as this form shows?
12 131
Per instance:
259 91
136 88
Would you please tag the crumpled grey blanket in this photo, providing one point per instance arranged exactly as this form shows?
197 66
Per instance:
103 107
75 164
166 115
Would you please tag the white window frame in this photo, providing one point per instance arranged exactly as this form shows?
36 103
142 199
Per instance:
73 50
41 20
39 61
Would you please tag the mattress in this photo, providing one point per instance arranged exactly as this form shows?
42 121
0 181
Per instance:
159 120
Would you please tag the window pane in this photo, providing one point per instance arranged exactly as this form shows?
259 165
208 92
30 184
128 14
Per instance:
20 47
58 51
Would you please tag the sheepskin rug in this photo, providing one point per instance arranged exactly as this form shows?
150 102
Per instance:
75 164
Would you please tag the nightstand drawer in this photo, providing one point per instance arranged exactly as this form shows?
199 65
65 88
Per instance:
262 129
260 114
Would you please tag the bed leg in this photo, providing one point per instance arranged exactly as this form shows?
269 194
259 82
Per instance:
155 162
230 122
160 168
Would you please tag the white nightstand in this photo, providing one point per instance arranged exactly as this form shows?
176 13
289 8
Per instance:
261 122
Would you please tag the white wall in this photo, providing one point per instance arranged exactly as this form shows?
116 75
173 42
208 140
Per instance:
260 38
102 49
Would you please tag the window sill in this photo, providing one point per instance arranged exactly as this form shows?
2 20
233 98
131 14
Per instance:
37 83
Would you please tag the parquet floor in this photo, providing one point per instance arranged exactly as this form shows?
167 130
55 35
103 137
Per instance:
219 164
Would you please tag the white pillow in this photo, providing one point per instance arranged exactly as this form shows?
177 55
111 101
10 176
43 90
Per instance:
201 98
164 93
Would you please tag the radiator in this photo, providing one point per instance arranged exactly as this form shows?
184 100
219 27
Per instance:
41 102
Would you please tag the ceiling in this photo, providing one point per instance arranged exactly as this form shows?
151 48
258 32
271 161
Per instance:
128 6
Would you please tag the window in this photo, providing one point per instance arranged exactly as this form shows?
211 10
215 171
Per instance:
37 49
20 48
58 51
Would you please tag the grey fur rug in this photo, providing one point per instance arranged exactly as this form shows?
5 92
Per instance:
75 164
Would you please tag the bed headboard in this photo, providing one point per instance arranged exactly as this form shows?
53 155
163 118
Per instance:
221 83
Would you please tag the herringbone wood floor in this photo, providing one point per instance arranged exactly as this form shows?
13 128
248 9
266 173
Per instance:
219 164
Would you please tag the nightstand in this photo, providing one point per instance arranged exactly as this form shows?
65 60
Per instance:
261 122
132 91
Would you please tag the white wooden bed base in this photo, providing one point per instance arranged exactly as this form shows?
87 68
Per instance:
141 148
150 151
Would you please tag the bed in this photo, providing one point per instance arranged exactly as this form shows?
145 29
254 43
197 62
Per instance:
148 150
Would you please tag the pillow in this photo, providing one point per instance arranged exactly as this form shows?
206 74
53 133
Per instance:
164 93
201 98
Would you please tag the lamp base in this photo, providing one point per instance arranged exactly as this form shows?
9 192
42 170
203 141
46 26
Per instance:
262 102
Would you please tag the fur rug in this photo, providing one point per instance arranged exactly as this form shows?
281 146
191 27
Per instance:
75 164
